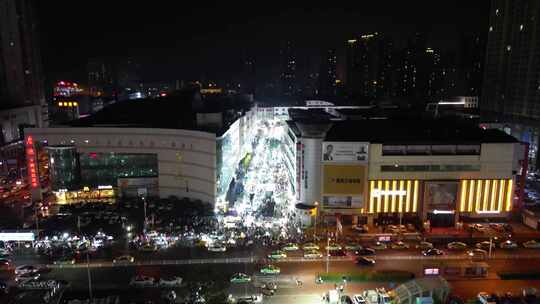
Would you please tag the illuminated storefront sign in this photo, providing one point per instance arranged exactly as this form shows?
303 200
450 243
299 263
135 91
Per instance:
17 236
31 162
490 196
393 196
379 192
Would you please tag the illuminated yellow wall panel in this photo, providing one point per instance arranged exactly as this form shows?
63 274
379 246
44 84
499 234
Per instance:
509 196
393 196
471 196
501 195
485 195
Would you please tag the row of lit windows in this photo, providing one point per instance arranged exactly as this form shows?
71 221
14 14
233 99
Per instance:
430 168
68 104
486 196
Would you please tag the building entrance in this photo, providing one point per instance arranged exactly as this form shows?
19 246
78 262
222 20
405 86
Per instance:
441 219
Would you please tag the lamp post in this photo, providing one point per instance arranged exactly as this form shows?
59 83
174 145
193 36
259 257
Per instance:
491 238
327 253
316 215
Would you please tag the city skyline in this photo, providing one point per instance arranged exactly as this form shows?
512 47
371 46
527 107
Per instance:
185 43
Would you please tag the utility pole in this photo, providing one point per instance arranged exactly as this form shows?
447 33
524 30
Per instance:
327 253
89 276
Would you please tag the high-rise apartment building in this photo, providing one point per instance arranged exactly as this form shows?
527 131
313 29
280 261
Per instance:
288 69
21 75
327 74
510 97
511 84
368 66
22 97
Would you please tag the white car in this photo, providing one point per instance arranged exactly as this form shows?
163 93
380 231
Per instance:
27 277
312 254
359 299
142 281
124 259
23 269
170 282
217 248
508 244
310 246
485 298
532 244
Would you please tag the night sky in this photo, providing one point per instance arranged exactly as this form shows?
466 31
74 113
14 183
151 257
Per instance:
186 40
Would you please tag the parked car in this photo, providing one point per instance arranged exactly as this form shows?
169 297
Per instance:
497 227
148 248
532 244
291 247
270 269
170 282
26 277
312 254
424 245
379 246
364 261
240 278
336 253
64 261
485 245
276 255
456 246
361 228
432 252
478 227
352 246
310 246
124 259
478 254
365 251
486 298
508 244
333 246
399 245
359 299
217 248
142 281
25 269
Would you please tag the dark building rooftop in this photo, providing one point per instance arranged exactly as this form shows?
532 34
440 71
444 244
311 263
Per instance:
417 131
177 111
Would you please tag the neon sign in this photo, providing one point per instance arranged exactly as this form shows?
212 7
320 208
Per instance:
31 162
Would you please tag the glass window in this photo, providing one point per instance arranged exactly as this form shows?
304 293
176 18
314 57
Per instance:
104 168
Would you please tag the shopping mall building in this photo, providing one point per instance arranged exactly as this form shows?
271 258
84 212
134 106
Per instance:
397 169
147 147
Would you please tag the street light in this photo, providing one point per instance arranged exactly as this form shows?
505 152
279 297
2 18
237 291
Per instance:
316 215
491 238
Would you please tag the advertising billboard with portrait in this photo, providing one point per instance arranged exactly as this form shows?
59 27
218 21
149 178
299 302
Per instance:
441 195
345 152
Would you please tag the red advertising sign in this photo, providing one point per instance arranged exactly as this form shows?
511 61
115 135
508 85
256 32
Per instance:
31 162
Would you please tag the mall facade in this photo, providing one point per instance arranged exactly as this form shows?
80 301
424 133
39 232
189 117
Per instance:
400 170
107 160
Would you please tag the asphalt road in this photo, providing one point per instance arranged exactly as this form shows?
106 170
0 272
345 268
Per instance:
116 279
